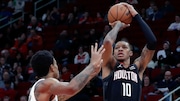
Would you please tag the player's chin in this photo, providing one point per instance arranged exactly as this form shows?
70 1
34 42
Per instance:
120 58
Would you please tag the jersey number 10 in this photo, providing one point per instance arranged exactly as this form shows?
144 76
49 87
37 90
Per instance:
126 89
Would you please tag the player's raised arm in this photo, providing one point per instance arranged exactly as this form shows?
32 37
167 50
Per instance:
80 80
108 42
149 49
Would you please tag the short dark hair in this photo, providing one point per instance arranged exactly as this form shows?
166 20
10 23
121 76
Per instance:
41 62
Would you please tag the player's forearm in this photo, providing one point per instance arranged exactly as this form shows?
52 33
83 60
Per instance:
112 35
151 39
80 80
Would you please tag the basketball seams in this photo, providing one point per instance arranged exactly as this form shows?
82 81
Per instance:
112 15
119 12
128 19
122 13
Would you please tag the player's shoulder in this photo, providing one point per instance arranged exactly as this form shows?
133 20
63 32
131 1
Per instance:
47 82
51 80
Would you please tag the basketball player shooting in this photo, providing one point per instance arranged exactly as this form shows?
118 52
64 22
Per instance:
48 88
122 80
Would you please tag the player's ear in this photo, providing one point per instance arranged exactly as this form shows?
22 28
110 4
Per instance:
51 68
131 53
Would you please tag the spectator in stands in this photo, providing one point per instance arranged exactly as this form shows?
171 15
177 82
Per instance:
85 18
46 17
19 75
20 44
55 16
147 89
143 14
19 5
19 59
28 56
10 4
63 19
176 56
82 56
71 19
167 7
3 66
165 56
35 24
98 18
76 37
150 10
93 36
166 85
19 28
66 74
175 25
7 79
156 15
76 12
65 58
152 64
63 41
34 41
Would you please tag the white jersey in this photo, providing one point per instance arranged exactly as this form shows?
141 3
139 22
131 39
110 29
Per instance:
31 95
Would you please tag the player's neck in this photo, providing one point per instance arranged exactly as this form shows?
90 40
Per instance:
125 63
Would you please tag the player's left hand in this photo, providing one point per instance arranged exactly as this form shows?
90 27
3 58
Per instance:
122 25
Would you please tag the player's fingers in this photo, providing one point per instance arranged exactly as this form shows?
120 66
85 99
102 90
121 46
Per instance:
99 63
127 25
103 50
96 46
100 49
92 48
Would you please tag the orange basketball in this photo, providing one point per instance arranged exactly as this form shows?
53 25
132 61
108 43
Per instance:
119 12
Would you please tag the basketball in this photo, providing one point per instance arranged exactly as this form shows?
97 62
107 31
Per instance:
119 12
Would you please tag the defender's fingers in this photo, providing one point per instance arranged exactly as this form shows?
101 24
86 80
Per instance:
102 51
96 46
101 48
92 48
100 63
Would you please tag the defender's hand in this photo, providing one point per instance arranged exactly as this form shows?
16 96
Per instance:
96 57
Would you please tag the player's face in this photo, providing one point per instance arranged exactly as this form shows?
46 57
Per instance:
122 51
56 74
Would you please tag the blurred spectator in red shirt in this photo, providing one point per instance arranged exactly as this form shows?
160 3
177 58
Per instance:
34 41
66 74
98 18
82 57
147 88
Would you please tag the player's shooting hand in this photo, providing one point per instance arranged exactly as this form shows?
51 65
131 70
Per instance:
131 9
96 57
121 24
